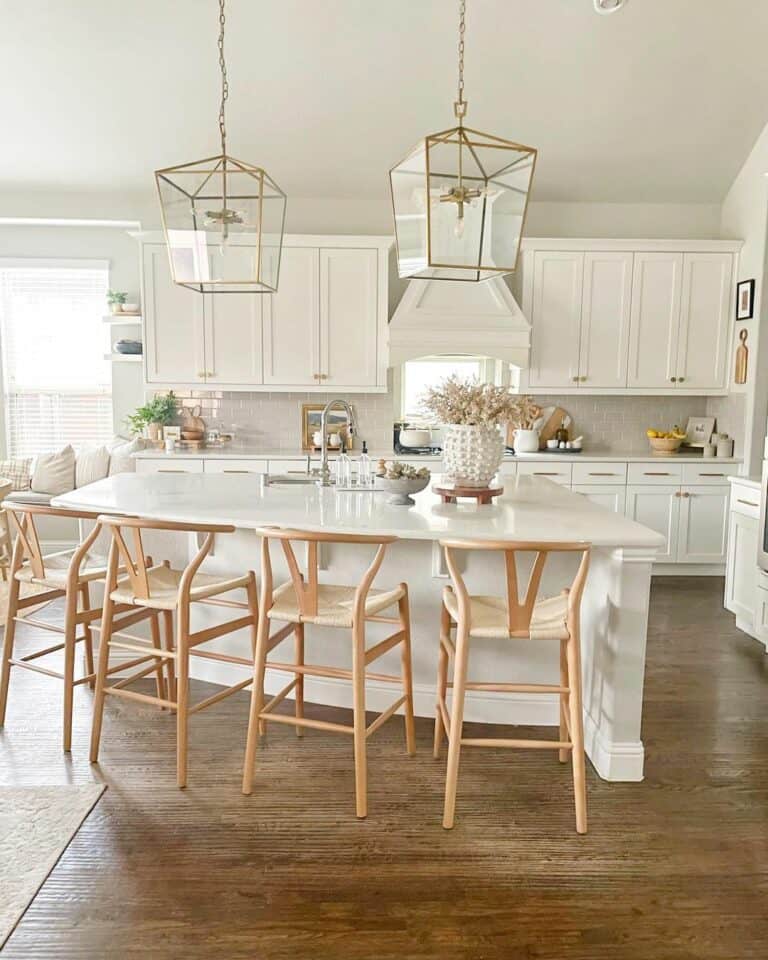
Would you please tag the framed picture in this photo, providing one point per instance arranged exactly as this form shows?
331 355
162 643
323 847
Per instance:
172 433
337 422
745 299
699 430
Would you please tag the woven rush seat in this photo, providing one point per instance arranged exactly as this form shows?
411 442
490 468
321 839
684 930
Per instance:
164 588
56 567
335 604
489 619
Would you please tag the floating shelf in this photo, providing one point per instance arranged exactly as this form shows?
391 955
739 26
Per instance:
122 318
127 357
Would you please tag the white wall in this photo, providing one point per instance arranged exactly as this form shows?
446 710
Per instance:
745 217
110 243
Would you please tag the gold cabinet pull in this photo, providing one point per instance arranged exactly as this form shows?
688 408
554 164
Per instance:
656 473
748 503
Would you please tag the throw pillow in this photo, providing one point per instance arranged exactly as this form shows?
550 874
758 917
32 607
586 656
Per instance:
91 465
121 459
54 473
17 471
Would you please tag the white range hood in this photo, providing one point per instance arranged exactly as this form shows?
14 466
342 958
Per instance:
436 317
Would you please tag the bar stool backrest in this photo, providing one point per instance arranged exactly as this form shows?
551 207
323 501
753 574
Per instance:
306 587
519 609
137 566
27 545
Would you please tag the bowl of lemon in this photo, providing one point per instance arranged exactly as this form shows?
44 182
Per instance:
665 443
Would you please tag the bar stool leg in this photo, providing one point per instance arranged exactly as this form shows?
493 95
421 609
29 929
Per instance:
358 683
563 754
442 679
407 671
257 702
182 697
101 675
10 634
154 624
85 595
70 628
168 631
457 722
299 688
577 733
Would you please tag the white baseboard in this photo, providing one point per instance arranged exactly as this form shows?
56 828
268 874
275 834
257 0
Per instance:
688 570
613 761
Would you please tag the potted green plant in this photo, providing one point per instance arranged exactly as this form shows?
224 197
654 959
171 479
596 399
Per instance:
116 299
154 415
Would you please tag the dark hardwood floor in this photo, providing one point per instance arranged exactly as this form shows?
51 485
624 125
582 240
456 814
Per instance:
674 867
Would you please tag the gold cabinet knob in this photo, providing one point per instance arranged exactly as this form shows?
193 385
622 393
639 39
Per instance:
680 379
575 379
210 373
583 379
673 379
316 376
201 374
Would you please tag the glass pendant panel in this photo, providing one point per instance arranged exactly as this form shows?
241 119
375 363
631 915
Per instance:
223 221
459 201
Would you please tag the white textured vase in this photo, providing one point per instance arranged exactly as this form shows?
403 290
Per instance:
472 454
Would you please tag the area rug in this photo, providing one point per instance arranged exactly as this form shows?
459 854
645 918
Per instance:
27 589
36 826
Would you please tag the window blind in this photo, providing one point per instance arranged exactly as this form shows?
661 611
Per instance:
56 381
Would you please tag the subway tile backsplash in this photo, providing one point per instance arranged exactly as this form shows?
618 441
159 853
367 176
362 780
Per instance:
607 423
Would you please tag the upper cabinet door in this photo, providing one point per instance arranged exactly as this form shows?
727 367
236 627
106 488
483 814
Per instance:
291 321
704 321
173 324
605 312
555 318
348 317
233 338
655 320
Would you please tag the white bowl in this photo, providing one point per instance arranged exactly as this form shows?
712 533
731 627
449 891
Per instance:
129 308
415 438
399 490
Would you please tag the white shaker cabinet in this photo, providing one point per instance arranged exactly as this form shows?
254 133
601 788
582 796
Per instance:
555 315
348 317
704 336
656 293
703 525
605 313
657 506
741 592
610 496
232 339
174 346
325 328
291 321
626 316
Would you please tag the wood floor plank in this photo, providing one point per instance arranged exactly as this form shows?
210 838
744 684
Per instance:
674 868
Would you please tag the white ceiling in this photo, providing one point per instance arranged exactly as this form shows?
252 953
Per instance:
659 102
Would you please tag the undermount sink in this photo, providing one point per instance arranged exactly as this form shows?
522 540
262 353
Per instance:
285 479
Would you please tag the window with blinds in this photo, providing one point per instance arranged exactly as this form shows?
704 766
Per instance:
57 384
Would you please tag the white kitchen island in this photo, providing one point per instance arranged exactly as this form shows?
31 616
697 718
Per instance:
614 609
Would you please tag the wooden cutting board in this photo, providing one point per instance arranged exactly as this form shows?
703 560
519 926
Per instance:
551 426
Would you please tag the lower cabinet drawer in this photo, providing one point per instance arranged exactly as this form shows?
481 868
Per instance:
169 465
745 500
557 472
591 473
655 472
709 471
228 465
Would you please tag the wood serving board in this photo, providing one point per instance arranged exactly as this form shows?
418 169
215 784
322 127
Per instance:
552 425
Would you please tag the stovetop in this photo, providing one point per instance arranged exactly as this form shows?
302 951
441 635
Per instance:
418 451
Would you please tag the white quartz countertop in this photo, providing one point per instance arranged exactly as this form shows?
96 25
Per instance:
241 452
531 508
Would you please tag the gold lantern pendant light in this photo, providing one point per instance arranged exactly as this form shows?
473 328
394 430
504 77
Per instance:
459 199
223 218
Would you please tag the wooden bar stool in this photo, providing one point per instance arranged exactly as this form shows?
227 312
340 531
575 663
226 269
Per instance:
68 574
304 600
6 546
153 590
476 617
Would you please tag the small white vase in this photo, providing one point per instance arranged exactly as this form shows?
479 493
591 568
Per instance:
472 453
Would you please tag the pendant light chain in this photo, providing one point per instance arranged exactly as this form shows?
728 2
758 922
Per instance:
224 80
460 107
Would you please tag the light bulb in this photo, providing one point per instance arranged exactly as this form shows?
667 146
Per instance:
458 228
